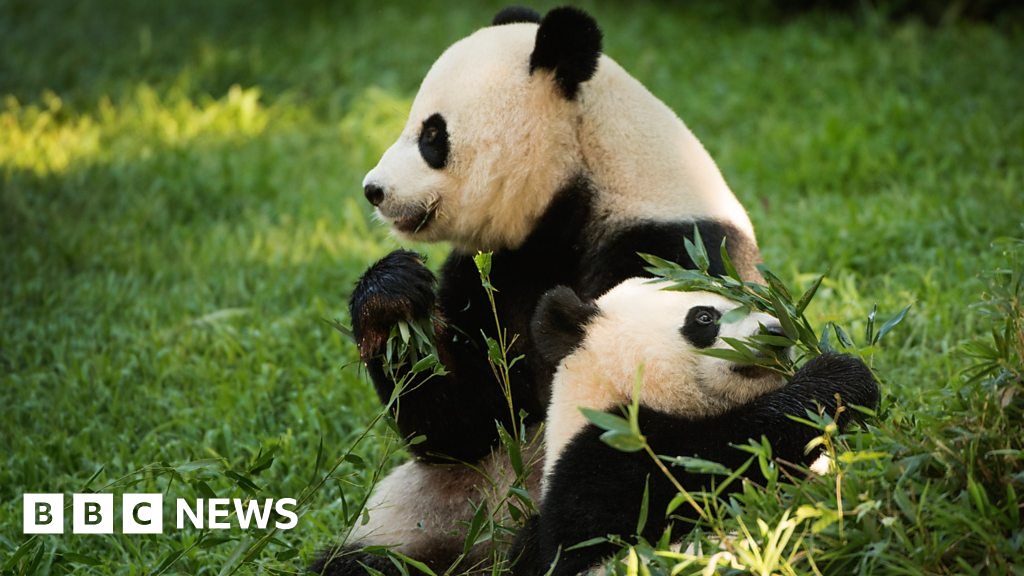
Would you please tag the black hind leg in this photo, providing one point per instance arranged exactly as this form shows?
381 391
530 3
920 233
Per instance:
351 561
525 553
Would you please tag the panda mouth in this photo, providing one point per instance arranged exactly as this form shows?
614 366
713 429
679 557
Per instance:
417 221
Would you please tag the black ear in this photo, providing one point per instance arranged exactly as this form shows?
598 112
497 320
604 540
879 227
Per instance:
569 43
559 323
514 15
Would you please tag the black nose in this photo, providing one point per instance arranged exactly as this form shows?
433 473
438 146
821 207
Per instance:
374 193
775 330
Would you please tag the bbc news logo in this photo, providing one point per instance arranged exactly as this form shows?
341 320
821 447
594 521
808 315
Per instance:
144 513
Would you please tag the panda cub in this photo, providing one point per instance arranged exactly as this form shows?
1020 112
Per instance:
691 404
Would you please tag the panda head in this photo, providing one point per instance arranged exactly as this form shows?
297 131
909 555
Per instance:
599 346
491 134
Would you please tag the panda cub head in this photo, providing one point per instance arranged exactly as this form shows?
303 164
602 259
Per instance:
599 347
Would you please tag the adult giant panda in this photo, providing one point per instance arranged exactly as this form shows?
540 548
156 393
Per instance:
526 141
691 404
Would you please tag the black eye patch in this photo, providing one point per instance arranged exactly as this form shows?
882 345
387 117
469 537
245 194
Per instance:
434 141
701 326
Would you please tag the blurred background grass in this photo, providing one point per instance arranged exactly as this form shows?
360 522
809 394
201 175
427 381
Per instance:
180 211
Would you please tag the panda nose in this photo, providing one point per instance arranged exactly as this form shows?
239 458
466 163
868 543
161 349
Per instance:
374 194
773 330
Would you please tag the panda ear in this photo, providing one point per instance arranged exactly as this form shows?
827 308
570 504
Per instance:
514 15
559 323
568 43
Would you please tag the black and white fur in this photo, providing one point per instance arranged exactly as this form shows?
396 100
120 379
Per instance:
691 405
526 141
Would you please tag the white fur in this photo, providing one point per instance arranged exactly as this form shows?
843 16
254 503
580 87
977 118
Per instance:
639 326
515 140
420 509
645 161
822 465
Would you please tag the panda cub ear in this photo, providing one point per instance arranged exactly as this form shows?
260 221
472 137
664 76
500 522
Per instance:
568 43
559 323
515 15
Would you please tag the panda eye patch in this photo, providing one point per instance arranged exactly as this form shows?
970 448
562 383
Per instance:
701 326
433 142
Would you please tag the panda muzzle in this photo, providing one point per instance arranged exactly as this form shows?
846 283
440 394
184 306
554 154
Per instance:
410 223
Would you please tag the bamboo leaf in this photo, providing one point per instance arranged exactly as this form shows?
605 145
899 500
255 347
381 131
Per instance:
607 421
891 324
696 251
770 340
641 522
658 262
844 339
243 482
587 543
735 315
824 343
730 355
512 447
203 489
412 562
319 459
775 284
869 332
482 260
263 461
808 295
697 465
426 363
202 464
739 345
782 314
623 442
475 527
730 270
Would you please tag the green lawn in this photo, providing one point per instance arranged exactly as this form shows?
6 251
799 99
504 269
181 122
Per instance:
180 212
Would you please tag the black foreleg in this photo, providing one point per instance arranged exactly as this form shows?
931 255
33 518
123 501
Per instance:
456 412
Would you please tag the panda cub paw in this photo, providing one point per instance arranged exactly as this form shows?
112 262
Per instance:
399 287
846 375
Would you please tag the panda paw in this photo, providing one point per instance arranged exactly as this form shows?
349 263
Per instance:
399 287
846 374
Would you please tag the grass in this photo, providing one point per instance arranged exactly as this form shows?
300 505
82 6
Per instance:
181 212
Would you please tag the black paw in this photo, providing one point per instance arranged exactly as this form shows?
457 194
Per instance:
845 373
399 287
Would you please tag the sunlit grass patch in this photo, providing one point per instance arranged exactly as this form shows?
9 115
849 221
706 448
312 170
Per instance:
46 138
